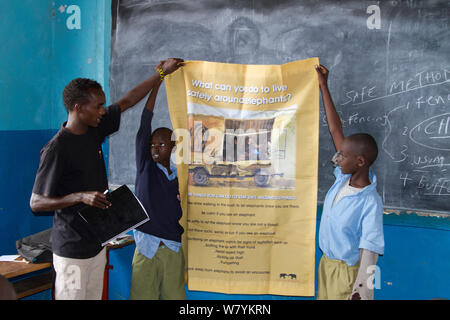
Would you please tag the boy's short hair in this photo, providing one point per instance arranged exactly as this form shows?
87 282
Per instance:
162 131
77 91
366 146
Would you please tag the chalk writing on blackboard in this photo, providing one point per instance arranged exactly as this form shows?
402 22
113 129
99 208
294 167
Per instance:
389 76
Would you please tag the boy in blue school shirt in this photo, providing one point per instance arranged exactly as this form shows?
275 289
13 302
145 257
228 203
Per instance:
351 227
158 262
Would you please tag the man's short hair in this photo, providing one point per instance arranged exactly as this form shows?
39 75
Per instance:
78 91
366 146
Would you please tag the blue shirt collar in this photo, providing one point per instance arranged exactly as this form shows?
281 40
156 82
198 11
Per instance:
173 168
372 177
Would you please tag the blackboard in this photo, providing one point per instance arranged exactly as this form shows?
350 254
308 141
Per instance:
389 75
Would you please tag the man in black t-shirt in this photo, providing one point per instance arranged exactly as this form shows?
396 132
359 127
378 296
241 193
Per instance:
72 174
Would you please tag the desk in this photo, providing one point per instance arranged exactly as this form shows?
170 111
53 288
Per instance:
32 284
44 281
111 246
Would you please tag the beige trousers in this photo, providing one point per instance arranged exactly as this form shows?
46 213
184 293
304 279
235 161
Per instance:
161 277
79 279
336 279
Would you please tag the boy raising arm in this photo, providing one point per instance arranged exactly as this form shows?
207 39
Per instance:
351 227
158 262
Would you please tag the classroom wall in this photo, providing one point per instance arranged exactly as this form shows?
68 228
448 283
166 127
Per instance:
45 49
26 114
414 267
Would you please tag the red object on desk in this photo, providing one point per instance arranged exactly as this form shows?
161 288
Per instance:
106 277
122 243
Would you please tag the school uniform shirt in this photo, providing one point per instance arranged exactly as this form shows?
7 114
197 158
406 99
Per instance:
354 222
73 163
157 192
148 244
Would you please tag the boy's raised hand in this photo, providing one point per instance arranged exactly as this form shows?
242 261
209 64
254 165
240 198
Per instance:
135 95
334 122
322 73
170 65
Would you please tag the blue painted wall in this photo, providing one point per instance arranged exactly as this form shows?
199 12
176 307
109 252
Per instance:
25 117
25 64
415 265
41 55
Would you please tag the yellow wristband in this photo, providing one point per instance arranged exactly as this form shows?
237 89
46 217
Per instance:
161 74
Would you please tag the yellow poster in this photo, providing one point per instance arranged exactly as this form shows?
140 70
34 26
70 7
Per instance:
247 154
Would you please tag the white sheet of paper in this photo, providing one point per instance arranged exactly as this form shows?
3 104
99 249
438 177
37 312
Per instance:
11 258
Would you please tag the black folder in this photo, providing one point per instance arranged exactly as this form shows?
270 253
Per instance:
125 214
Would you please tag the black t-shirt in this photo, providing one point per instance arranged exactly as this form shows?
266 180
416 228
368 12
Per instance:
74 163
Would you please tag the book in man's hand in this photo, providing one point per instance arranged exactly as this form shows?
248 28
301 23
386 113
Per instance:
125 213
